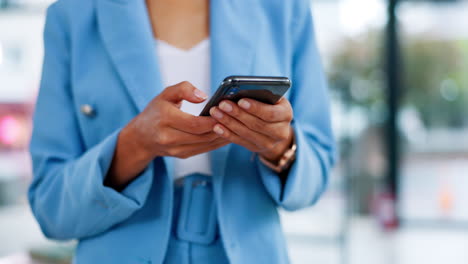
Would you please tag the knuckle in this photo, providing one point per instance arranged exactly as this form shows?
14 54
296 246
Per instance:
192 123
270 115
228 135
253 106
288 113
291 112
164 139
172 153
155 100
204 128
257 126
278 133
185 85
212 138
160 139
269 145
166 109
169 90
162 123
226 120
162 93
183 156
283 134
162 119
207 121
236 112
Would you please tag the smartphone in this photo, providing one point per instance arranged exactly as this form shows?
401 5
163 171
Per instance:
261 88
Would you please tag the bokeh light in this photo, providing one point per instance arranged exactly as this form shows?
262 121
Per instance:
10 130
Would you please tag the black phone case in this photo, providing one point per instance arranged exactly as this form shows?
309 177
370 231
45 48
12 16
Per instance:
261 88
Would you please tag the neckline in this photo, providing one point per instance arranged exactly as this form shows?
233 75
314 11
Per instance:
199 45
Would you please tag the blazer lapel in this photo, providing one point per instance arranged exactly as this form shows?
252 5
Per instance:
232 37
127 35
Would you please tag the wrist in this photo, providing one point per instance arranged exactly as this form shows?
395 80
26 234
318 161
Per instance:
285 160
128 161
130 137
275 154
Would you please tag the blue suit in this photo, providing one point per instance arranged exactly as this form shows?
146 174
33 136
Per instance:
101 53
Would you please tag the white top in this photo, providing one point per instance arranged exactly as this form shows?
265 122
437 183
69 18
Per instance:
193 65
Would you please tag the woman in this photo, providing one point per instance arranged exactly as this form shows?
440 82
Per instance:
122 161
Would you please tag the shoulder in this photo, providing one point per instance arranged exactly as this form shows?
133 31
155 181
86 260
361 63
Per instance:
72 7
67 12
282 13
289 8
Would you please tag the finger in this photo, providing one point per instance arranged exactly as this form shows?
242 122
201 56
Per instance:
232 137
281 111
188 123
240 130
176 137
189 150
183 91
276 130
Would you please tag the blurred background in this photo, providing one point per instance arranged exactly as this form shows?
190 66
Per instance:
398 75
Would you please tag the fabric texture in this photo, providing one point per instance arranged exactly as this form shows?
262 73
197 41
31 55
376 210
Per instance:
104 57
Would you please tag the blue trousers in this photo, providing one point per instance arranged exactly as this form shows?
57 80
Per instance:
195 237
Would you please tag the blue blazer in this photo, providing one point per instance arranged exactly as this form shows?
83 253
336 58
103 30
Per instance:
102 53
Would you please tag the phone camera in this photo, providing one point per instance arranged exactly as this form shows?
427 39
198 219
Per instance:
234 90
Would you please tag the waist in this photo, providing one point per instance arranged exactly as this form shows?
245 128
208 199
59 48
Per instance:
194 212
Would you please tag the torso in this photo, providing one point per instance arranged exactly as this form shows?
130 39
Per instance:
104 85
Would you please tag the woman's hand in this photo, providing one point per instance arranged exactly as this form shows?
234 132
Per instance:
261 128
162 129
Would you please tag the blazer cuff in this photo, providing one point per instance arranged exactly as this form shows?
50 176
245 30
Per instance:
98 161
304 183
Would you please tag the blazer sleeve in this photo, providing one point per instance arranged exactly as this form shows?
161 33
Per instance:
67 195
315 154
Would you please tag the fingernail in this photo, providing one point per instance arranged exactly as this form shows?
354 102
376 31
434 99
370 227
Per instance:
225 107
244 104
200 94
216 113
218 130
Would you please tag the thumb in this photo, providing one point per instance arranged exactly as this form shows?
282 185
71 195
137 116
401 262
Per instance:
183 91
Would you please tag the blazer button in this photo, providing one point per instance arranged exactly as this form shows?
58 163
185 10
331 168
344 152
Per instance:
87 110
